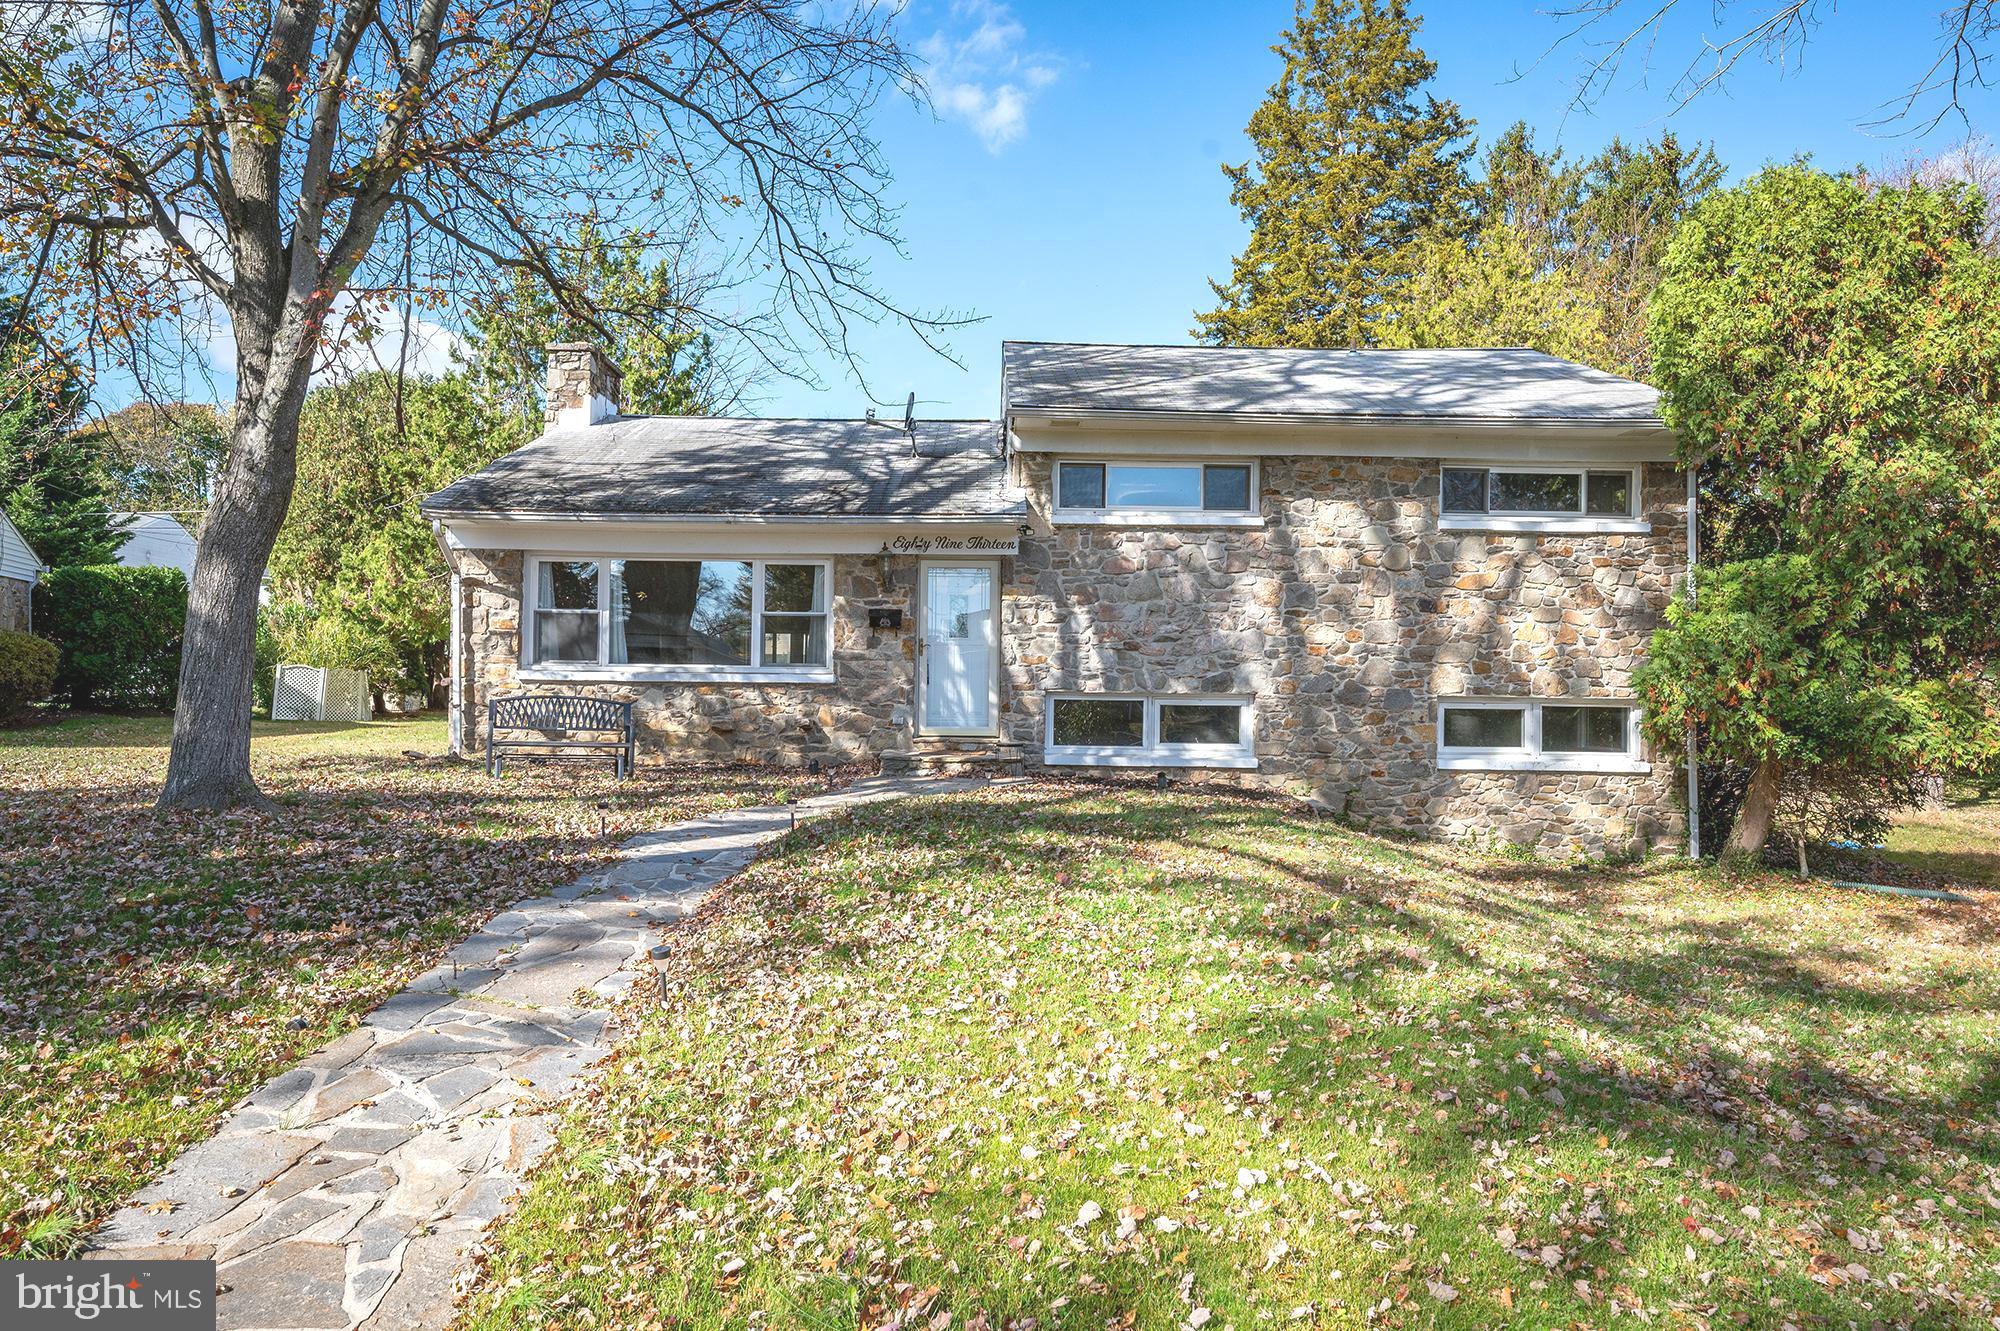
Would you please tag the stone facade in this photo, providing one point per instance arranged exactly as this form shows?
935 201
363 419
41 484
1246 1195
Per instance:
1346 616
14 601
865 713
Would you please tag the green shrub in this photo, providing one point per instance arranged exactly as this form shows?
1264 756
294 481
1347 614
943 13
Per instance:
119 630
332 639
264 673
27 671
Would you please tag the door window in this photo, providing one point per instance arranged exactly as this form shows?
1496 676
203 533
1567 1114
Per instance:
958 648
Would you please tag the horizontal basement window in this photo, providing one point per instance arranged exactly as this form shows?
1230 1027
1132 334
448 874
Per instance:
1553 498
1504 734
1091 729
1114 491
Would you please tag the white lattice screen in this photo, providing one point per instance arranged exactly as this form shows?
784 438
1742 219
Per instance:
345 697
295 694
312 693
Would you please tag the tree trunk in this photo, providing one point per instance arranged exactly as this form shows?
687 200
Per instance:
1760 809
209 767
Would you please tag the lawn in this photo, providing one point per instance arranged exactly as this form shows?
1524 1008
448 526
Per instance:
1956 843
155 968
1070 1056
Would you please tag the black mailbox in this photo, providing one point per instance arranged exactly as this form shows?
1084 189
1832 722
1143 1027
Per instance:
885 619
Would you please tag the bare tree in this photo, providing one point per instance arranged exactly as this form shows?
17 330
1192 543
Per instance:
1975 161
1619 32
295 168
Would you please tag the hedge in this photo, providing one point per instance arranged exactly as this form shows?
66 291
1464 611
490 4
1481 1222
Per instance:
27 672
119 630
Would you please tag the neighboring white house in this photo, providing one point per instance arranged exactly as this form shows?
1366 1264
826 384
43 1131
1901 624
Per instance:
155 539
20 570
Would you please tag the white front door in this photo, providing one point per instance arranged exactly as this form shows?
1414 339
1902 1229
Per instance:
958 651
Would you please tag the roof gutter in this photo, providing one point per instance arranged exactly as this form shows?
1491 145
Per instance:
1049 415
695 519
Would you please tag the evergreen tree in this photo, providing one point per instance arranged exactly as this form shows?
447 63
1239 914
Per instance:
1354 166
356 577
164 457
668 367
1503 290
1630 202
52 486
1565 256
1828 355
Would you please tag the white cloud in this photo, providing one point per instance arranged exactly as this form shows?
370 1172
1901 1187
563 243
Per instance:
370 334
370 337
195 349
982 73
380 339
998 115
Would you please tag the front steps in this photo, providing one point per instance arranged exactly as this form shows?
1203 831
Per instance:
938 755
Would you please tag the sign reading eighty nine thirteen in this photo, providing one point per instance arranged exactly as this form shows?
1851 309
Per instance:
943 544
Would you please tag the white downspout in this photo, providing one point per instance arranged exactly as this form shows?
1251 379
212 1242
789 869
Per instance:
454 685
453 690
1693 757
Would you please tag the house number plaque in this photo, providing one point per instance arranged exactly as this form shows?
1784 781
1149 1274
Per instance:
938 544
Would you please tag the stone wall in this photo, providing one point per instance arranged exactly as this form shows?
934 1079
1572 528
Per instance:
14 600
1347 615
865 713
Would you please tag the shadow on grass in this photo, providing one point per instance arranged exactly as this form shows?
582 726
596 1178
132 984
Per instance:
1686 977
1587 1016
103 889
1958 868
155 966
155 730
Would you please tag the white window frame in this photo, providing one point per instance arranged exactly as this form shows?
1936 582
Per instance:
1157 517
1151 752
1529 756
755 673
1574 521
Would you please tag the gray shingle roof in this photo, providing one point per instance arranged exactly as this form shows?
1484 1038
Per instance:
689 465
1507 384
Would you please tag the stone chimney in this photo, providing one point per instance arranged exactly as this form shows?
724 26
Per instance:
584 387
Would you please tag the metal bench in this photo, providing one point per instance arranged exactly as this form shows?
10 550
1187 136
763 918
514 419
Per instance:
522 726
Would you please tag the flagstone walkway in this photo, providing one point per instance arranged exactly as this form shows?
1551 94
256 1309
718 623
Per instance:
345 1192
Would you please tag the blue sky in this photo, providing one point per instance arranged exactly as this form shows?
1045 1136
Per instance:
1069 187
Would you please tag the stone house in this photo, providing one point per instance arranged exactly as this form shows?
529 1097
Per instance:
1414 584
20 570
